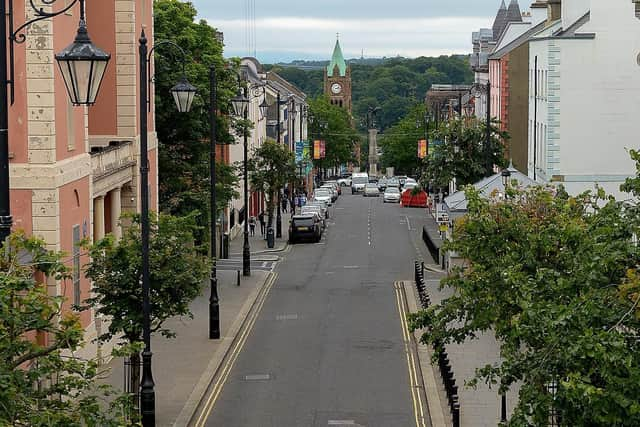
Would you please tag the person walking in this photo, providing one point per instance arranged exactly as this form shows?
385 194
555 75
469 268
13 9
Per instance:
284 204
252 226
262 223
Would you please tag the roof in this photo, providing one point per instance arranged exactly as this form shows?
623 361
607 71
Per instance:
513 12
500 22
517 42
458 200
573 28
337 60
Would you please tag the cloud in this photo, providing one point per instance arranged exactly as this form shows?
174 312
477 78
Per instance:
376 36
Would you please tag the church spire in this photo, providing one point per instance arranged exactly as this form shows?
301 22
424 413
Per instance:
337 60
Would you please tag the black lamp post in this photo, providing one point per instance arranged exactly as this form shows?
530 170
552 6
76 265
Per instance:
214 300
183 94
82 65
279 103
240 105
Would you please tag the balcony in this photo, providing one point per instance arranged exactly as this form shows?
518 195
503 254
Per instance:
115 159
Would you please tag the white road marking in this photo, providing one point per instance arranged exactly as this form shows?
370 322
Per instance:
287 317
351 267
341 422
408 223
257 377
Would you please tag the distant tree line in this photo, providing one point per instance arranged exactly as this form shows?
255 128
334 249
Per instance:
393 84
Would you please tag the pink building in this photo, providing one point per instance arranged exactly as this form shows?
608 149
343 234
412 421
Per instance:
73 170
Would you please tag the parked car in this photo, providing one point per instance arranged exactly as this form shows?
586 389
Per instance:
323 194
305 227
332 190
335 184
371 190
382 184
323 205
314 210
391 195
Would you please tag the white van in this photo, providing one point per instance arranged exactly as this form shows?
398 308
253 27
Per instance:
358 181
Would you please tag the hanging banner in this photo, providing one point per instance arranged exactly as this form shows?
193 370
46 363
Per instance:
306 155
299 151
322 149
423 149
316 150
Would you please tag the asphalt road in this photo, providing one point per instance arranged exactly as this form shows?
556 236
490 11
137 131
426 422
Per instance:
327 348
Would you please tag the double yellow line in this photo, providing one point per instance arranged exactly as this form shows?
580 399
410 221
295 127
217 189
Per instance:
415 380
231 358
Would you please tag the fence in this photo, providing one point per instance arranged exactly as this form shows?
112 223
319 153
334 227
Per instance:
444 364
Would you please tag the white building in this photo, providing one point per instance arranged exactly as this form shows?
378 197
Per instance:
584 89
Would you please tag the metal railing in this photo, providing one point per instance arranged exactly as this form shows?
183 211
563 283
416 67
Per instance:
444 364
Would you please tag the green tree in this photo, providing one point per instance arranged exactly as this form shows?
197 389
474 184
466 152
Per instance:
399 143
42 382
458 151
333 125
184 138
556 279
177 271
270 168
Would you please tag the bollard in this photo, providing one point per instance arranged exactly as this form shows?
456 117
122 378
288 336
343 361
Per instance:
456 413
503 408
423 269
237 277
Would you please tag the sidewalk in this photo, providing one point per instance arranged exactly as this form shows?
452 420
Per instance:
258 243
184 366
479 407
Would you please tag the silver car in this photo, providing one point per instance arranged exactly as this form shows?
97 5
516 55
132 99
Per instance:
314 210
371 190
391 195
322 205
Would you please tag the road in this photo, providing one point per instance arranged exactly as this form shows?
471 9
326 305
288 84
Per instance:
327 347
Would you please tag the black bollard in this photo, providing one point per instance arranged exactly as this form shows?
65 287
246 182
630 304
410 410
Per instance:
237 277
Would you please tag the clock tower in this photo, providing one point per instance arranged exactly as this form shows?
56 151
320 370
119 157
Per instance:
337 80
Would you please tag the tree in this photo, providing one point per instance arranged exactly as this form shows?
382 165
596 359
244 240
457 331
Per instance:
556 279
183 138
270 168
333 125
177 271
42 382
458 151
399 143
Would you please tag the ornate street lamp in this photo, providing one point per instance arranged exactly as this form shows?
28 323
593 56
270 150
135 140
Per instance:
183 94
82 65
186 92
240 104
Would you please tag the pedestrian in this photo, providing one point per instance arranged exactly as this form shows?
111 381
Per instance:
252 225
262 223
284 204
293 205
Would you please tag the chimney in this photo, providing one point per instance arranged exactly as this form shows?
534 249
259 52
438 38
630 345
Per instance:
554 10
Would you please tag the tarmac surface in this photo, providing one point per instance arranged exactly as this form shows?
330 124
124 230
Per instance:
328 346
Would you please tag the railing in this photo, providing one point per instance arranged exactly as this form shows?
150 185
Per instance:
112 159
446 371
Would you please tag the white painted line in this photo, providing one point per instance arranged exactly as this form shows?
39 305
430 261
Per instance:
341 422
287 317
265 264
351 266
330 272
257 377
408 223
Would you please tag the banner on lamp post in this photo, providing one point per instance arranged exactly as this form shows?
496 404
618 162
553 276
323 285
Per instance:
319 148
299 151
322 149
423 148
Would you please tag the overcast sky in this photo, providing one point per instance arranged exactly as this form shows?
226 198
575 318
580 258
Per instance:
302 29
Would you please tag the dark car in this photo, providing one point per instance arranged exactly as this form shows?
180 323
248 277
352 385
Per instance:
305 227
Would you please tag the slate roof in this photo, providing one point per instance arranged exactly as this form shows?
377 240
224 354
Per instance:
458 200
519 41
504 16
337 59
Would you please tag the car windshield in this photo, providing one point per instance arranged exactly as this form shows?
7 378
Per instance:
392 190
360 180
303 222
371 185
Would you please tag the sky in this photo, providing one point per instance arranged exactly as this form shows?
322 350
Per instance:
300 29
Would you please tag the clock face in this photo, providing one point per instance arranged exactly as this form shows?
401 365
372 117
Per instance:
336 88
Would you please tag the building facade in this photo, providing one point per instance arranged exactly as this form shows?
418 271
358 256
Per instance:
337 80
582 116
74 170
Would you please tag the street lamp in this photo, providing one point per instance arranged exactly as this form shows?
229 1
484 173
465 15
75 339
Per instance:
279 103
214 300
240 105
183 92
82 65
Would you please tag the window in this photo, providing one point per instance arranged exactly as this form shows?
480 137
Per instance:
76 265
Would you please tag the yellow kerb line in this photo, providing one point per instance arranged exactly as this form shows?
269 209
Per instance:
217 389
